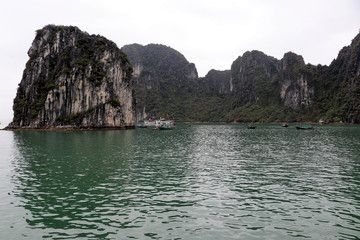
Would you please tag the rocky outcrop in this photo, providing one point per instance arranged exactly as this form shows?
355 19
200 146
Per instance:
74 79
296 92
217 82
160 73
343 80
352 80
253 78
258 78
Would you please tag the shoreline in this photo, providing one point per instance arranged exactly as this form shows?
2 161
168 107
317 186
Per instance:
290 123
65 128
69 128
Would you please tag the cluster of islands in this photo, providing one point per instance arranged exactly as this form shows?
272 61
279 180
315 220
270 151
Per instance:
75 80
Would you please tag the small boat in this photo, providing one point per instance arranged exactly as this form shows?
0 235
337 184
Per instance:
166 126
251 127
141 125
302 127
284 125
323 121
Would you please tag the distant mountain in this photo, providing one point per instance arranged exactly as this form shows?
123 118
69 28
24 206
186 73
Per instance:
266 89
257 88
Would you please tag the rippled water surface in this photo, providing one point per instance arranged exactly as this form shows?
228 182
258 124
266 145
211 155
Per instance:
195 182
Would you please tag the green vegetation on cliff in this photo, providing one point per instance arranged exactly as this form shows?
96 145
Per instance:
258 88
74 78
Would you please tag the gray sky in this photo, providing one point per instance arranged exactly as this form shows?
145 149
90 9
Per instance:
209 33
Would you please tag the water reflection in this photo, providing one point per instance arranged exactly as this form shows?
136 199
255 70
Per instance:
198 182
96 183
61 176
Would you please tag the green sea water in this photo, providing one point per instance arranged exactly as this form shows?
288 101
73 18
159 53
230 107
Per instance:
195 182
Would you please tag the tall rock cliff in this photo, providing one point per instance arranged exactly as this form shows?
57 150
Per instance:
344 74
74 79
266 89
217 82
296 91
162 77
253 78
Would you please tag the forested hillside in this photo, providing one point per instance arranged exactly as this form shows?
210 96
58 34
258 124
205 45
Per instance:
257 88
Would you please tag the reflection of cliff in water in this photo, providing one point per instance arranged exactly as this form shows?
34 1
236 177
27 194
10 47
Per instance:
95 184
63 178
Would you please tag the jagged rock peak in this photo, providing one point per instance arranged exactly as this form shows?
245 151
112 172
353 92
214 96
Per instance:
256 57
291 60
240 68
218 81
158 57
74 79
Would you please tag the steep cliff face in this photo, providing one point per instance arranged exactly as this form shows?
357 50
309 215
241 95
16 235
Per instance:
296 91
161 74
74 79
266 89
343 81
218 82
253 78
259 78
352 80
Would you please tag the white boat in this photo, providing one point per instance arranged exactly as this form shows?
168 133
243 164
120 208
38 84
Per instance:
149 123
163 121
160 121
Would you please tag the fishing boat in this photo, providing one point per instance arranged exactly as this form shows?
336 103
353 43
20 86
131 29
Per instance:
251 126
166 126
302 127
284 125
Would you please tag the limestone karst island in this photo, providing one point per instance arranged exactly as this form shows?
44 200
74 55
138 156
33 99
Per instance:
76 80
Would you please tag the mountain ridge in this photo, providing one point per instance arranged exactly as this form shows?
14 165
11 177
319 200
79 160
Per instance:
256 81
158 80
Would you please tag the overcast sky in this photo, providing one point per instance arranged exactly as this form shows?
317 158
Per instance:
209 33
